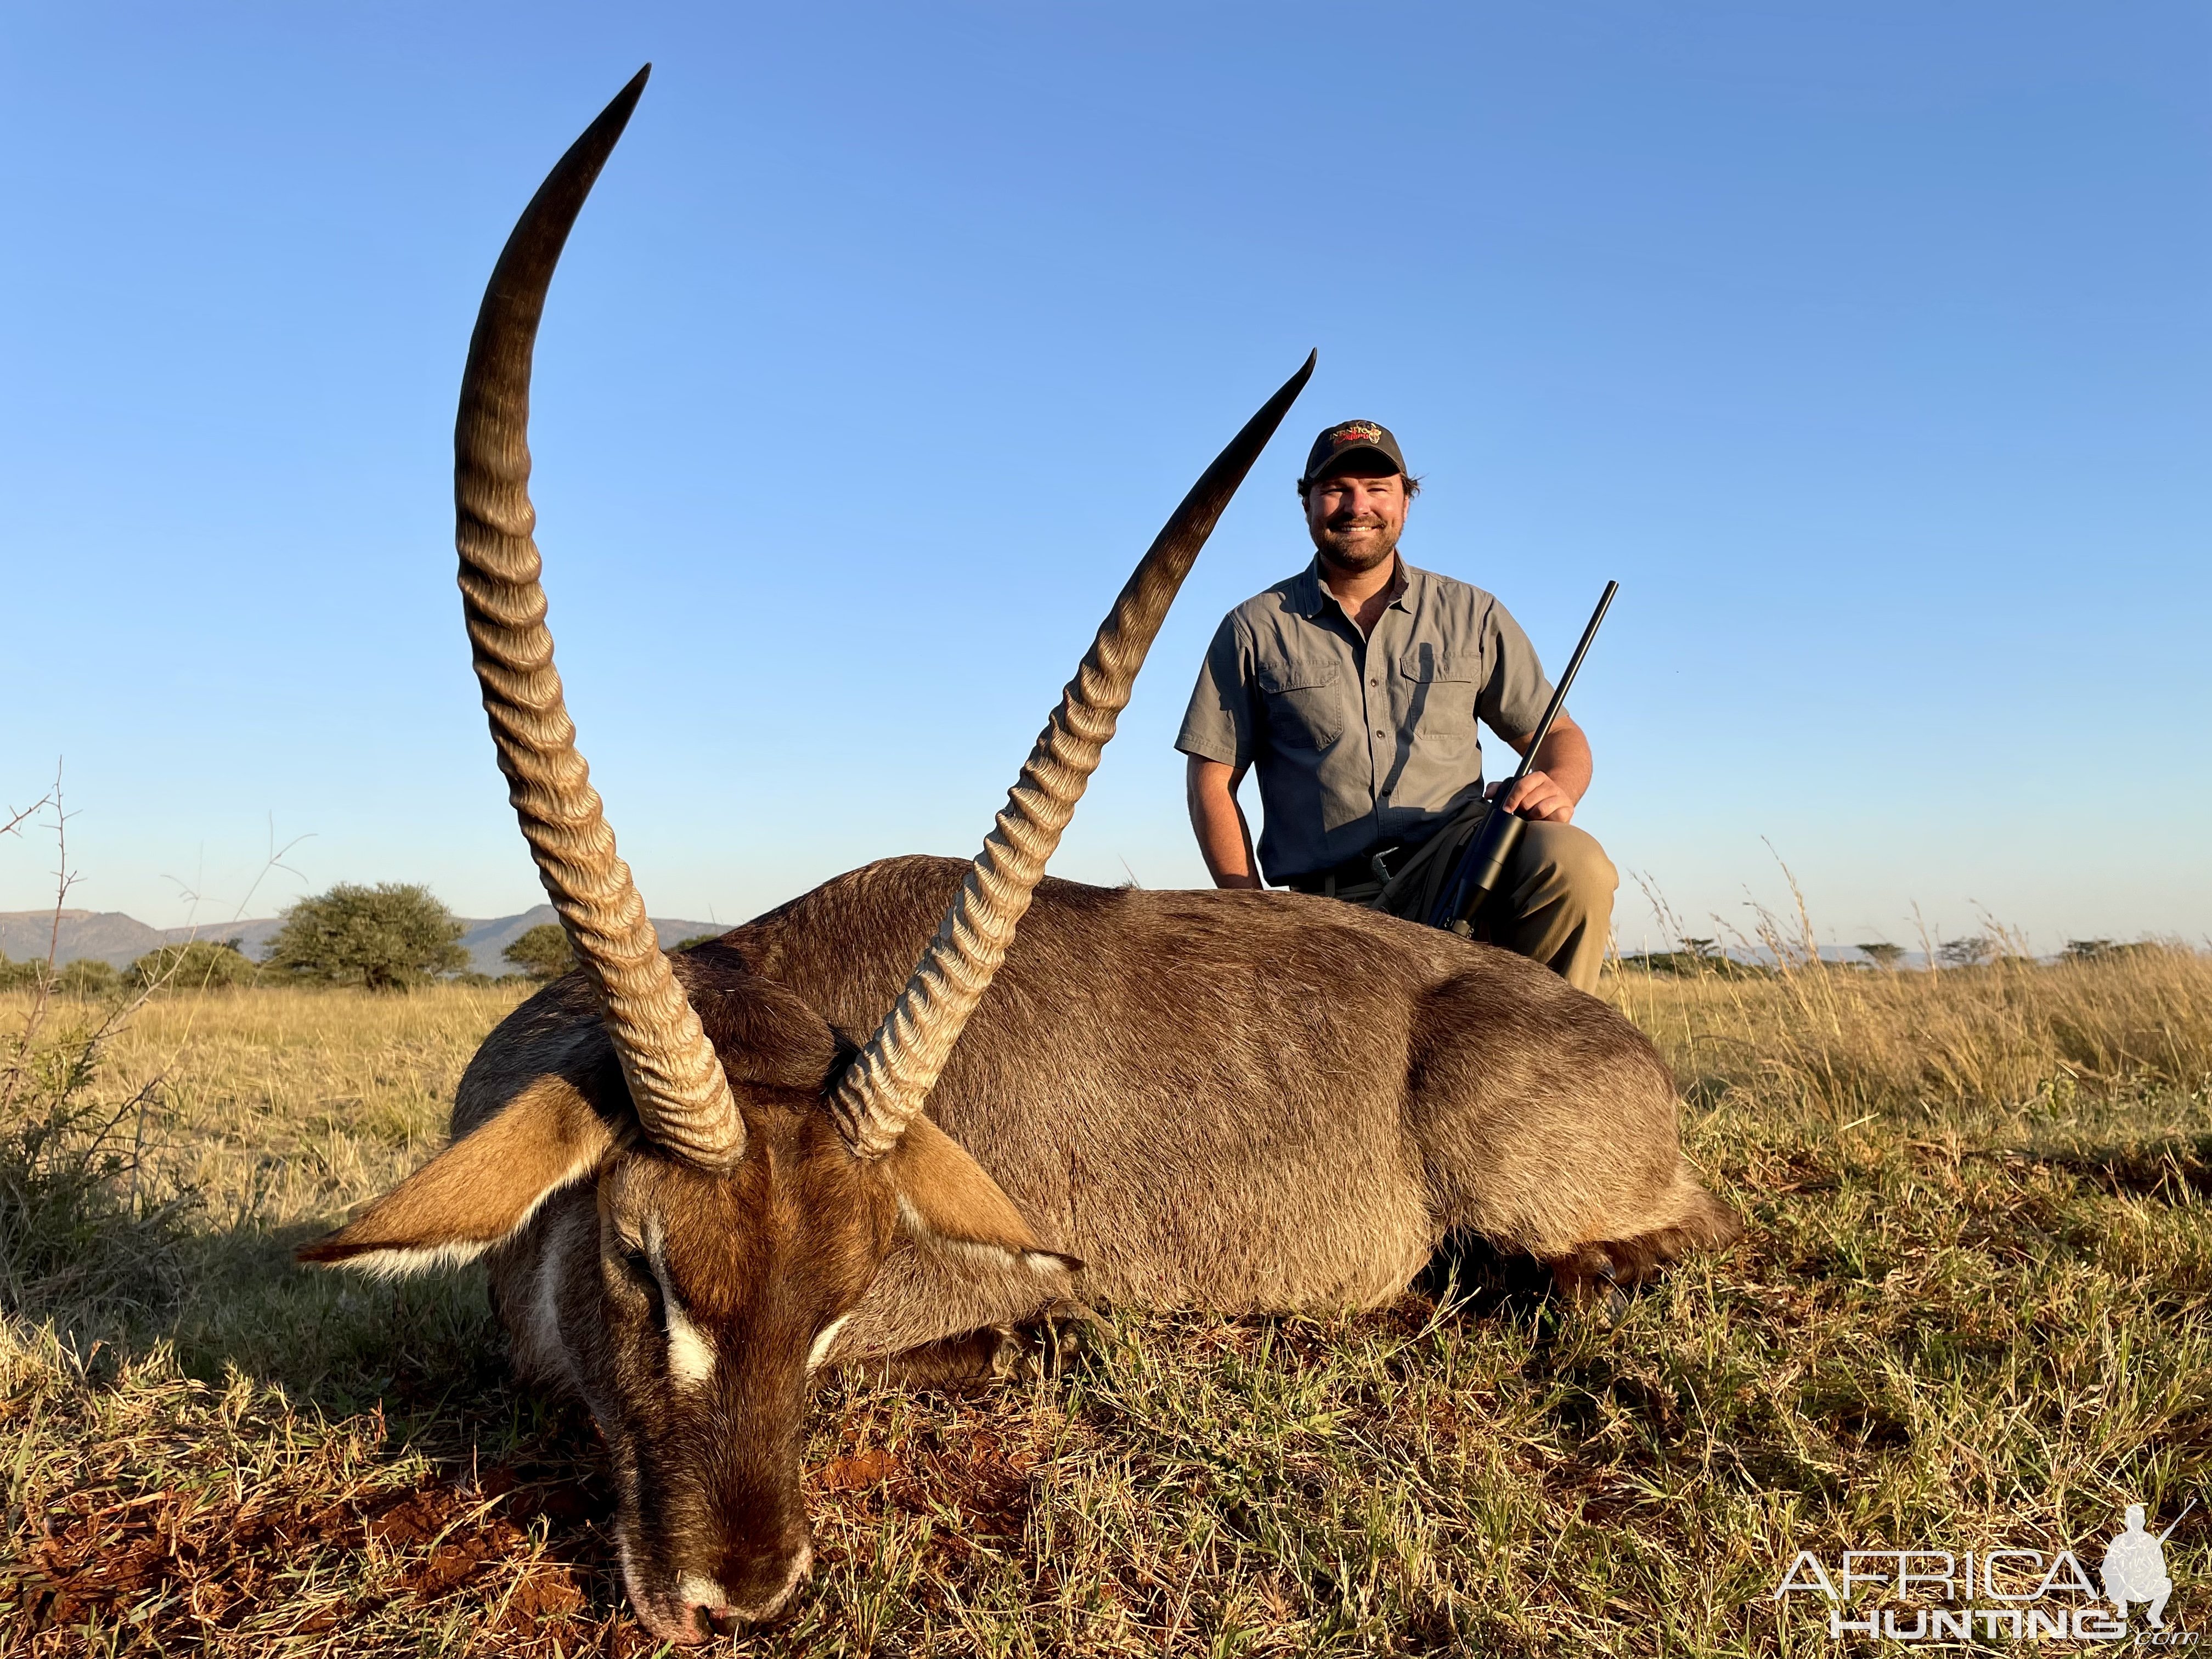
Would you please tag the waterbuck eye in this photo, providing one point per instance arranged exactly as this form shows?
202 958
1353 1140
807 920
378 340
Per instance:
639 1266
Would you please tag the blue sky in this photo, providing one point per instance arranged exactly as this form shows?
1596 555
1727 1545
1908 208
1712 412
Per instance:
1869 345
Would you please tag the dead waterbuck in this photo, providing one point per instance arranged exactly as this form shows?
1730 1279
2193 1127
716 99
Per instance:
701 1179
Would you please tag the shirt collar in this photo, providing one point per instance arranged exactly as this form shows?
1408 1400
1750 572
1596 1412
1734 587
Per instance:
1309 597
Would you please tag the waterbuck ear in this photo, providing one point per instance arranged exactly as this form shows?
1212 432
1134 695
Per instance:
947 1204
964 1261
479 1190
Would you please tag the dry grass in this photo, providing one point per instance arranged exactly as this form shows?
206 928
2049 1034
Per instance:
1837 1042
1972 1311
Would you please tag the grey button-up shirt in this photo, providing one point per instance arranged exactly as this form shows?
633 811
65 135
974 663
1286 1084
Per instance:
1358 741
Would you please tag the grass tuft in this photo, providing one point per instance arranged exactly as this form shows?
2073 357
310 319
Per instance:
89 1220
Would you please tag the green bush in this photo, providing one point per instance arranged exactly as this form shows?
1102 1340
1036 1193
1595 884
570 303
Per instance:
388 937
543 953
202 964
87 976
1700 958
2105 950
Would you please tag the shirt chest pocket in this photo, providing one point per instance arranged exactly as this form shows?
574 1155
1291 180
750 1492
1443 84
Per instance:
1304 704
1440 689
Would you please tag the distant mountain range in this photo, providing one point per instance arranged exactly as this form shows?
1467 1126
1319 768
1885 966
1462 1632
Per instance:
114 938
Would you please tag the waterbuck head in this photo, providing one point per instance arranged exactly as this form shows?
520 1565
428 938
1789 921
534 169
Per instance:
691 1204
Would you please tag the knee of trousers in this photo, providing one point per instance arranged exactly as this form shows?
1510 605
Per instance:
1567 857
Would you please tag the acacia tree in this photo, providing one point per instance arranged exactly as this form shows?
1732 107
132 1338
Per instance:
542 953
1881 953
389 937
1968 952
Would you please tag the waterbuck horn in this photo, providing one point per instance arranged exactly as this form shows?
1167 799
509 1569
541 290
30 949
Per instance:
682 1099
887 1083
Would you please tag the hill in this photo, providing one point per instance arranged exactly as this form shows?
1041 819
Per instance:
109 936
485 940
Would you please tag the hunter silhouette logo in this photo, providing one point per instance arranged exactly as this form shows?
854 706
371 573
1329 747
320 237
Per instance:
2135 1566
2025 1594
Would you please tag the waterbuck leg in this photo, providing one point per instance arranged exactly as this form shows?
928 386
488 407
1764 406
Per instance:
1612 1268
995 1353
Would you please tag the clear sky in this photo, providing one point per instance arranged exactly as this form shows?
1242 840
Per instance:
1870 345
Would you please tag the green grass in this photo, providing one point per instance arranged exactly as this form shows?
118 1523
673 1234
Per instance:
1971 1311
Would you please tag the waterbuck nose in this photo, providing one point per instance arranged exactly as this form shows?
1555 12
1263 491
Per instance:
754 1582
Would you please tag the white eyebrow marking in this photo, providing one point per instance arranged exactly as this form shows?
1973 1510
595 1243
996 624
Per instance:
690 1354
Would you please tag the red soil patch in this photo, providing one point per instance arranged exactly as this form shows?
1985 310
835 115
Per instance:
193 1567
526 1553
975 1482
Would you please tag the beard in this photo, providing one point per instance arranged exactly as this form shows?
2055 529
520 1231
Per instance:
1354 546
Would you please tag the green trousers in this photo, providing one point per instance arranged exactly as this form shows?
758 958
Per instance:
1554 903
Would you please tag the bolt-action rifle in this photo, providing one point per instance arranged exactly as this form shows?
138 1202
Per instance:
1483 865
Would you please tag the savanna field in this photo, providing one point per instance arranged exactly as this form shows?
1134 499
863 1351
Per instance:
1971 1311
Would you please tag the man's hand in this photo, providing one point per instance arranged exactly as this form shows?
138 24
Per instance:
1537 796
1559 778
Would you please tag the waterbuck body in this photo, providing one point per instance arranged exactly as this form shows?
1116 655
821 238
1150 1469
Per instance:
700 1179
1235 1101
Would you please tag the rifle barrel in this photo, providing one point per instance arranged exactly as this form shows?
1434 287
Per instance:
2178 1520
1559 692
1484 862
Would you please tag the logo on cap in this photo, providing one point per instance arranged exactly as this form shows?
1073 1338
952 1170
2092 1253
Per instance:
1351 435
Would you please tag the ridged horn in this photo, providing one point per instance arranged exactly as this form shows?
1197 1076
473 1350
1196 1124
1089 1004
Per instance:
887 1083
682 1099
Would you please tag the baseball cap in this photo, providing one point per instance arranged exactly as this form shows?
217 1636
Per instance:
1344 437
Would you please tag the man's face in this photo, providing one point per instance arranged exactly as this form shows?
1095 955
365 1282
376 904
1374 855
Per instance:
1355 516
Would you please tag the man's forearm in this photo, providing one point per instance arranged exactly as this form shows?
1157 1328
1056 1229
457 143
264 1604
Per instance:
1224 840
1565 757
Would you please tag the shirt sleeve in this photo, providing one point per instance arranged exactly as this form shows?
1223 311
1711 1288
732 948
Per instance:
1514 691
1218 725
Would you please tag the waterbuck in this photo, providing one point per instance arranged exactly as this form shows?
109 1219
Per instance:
700 1179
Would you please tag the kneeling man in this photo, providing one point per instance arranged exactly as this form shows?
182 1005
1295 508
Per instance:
1354 687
